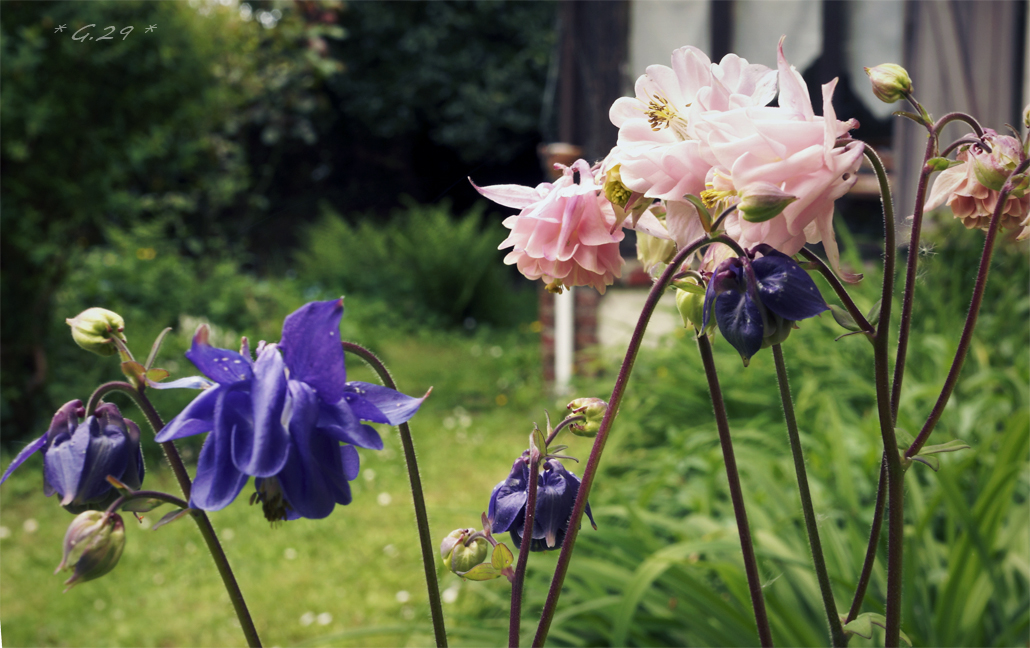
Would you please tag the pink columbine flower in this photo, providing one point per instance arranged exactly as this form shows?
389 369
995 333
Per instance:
657 146
788 147
566 233
964 186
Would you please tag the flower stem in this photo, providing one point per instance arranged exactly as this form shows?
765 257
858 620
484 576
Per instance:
562 425
895 472
418 499
145 494
837 636
515 617
736 493
874 541
200 517
596 451
974 310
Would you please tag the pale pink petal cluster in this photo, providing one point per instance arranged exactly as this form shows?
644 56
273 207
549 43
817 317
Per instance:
657 147
566 232
790 147
972 202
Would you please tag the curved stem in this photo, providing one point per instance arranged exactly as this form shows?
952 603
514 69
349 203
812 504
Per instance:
974 310
874 541
957 116
418 499
146 494
837 636
596 451
736 493
200 517
838 288
566 422
515 615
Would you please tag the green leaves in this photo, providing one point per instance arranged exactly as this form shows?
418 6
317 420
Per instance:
863 626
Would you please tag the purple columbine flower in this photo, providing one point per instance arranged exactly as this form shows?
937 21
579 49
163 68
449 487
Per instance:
283 417
757 300
555 496
79 456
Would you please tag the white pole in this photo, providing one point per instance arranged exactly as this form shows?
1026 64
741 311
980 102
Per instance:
564 340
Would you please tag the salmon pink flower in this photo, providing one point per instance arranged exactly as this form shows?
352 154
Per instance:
658 147
791 148
566 233
971 187
283 417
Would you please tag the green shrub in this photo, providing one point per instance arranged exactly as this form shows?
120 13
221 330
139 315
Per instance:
434 269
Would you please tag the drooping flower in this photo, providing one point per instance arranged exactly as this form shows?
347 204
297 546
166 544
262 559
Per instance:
971 187
282 418
566 233
79 456
757 300
790 148
555 496
658 148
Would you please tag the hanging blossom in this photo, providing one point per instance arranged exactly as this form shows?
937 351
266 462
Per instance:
658 147
566 233
972 187
790 148
282 418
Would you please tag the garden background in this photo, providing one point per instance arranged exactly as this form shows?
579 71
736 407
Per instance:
243 159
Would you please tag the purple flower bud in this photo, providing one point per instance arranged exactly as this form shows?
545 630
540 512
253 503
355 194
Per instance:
93 544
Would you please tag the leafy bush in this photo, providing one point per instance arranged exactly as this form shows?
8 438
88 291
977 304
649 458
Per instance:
431 267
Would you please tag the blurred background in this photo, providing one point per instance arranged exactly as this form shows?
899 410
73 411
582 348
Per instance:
241 159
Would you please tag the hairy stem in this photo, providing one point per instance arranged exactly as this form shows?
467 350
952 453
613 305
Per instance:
515 616
621 381
418 499
874 541
837 636
200 517
754 582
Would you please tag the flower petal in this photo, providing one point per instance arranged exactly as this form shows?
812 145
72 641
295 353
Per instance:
740 322
26 452
106 454
65 458
218 482
786 289
380 404
260 448
221 365
312 350
508 498
340 423
302 477
197 418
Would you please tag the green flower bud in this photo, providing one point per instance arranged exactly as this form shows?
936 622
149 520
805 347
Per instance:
594 410
890 82
762 201
469 554
93 543
452 540
652 251
691 308
93 328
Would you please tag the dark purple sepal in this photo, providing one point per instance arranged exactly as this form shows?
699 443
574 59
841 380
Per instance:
340 423
218 482
196 418
786 289
312 348
740 322
26 452
508 498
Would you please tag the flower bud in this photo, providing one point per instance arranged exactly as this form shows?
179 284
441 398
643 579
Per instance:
468 554
93 328
93 543
890 82
993 169
452 539
594 410
762 201
691 308
1026 116
652 251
